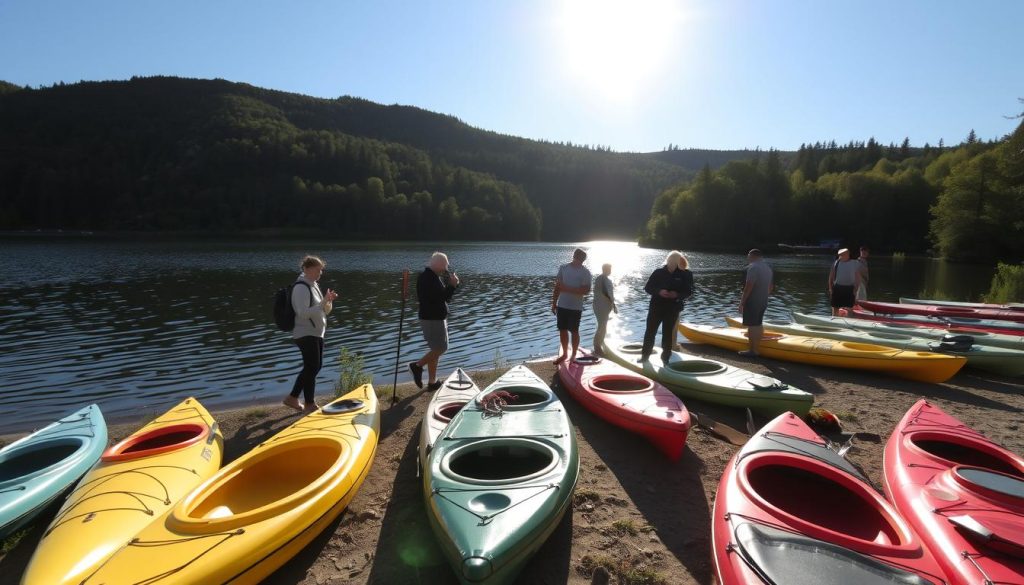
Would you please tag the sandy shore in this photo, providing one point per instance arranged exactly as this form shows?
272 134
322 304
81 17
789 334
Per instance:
646 519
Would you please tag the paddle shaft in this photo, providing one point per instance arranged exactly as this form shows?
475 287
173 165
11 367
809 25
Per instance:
398 350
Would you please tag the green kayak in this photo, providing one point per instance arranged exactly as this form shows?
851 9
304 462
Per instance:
999 360
937 333
500 477
712 381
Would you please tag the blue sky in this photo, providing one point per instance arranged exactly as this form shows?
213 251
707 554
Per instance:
634 75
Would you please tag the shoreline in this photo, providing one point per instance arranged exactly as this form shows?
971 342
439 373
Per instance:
642 518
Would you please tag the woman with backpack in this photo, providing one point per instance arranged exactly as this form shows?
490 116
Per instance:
311 309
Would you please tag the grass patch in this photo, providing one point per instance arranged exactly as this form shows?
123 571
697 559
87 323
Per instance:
500 363
1007 284
351 372
642 576
254 414
12 541
581 496
846 416
623 527
589 563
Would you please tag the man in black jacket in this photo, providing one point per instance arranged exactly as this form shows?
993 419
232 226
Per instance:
434 288
669 287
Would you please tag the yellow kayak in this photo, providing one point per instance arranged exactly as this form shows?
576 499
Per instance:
922 366
257 512
135 481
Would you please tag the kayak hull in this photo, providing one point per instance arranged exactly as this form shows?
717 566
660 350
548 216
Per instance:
501 478
912 365
942 311
785 490
253 515
135 481
692 377
629 401
989 325
935 472
38 469
1002 361
935 331
1006 307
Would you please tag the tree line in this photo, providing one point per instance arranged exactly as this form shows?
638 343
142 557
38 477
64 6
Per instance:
165 153
964 203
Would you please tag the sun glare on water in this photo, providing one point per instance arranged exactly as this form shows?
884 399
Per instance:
617 48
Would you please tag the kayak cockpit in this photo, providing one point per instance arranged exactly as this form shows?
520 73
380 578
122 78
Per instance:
961 450
500 461
35 458
156 441
271 483
620 383
823 502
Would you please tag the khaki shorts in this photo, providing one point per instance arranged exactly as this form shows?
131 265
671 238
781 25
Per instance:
435 333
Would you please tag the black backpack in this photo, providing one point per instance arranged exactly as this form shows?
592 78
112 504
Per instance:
284 313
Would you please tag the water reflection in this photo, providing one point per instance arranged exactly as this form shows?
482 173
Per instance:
137 326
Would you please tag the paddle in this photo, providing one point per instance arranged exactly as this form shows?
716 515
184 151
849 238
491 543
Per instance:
401 320
720 430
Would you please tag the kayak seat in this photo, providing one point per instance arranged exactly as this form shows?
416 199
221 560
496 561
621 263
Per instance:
785 558
953 343
764 383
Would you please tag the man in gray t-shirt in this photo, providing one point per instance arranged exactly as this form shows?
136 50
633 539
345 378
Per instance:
571 285
754 301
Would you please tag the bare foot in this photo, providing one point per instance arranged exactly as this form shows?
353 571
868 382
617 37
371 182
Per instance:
311 407
292 402
559 359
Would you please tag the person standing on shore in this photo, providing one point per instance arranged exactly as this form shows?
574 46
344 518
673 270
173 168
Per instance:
311 308
669 287
757 287
434 288
571 284
604 304
843 282
862 259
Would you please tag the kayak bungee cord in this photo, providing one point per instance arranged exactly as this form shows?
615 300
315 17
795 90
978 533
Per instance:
65 514
486 518
156 543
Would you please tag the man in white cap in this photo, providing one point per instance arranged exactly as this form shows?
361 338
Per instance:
843 282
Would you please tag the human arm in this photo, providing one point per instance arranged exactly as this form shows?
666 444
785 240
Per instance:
748 287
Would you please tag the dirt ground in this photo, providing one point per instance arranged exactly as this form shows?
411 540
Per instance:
636 515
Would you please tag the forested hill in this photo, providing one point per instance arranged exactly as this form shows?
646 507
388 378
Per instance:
183 154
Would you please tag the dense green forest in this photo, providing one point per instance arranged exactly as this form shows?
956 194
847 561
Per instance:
964 202
167 153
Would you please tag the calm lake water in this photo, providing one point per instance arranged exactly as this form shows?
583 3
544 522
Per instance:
138 326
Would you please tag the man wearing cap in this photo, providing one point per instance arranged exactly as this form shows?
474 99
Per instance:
754 301
571 284
843 282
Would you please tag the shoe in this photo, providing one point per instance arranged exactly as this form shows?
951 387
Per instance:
292 402
434 386
417 374
747 353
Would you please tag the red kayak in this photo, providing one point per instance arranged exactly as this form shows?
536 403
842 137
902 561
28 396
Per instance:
628 400
792 511
943 311
962 493
961 325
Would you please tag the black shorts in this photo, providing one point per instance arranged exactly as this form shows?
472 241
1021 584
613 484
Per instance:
753 314
568 319
843 296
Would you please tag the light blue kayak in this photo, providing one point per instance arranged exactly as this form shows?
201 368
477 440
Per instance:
36 470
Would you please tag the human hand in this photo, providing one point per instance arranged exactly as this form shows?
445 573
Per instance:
663 293
672 295
554 308
453 279
330 296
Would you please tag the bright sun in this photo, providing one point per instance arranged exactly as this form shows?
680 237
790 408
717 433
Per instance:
618 47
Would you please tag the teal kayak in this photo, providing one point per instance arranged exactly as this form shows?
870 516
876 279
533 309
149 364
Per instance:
931 332
689 376
500 478
998 360
39 468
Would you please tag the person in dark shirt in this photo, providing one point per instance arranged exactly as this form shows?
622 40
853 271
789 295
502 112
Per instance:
434 288
669 287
